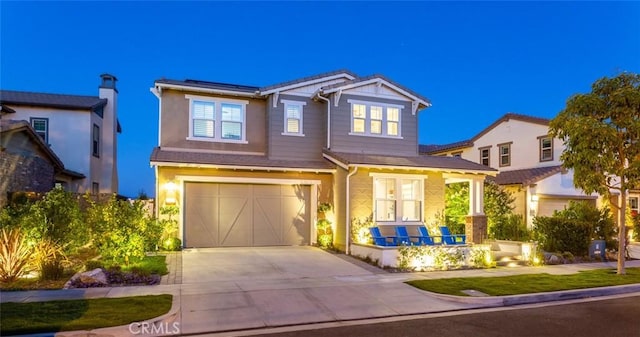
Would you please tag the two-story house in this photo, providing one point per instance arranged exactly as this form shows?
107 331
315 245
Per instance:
529 162
80 130
248 165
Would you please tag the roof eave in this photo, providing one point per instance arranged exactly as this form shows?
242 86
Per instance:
421 101
305 83
160 163
206 90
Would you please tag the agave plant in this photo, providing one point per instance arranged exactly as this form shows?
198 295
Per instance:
15 255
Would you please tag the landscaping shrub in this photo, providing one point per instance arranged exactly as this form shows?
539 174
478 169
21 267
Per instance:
51 270
168 227
93 264
360 229
509 227
325 233
172 244
15 255
571 230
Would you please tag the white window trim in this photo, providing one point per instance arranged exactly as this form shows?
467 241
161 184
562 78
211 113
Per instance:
398 178
637 203
286 103
367 119
218 119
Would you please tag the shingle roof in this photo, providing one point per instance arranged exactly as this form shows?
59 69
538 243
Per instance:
420 162
211 85
370 77
166 156
308 78
51 100
7 125
526 176
435 148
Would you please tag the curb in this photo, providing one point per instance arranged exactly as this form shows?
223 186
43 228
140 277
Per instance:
495 301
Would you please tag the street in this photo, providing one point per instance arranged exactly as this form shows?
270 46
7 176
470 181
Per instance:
611 317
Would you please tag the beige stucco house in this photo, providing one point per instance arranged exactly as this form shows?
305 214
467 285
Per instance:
248 166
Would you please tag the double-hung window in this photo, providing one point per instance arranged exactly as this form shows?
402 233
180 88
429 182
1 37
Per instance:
95 144
546 148
397 198
375 119
293 118
505 154
485 156
41 126
633 204
218 120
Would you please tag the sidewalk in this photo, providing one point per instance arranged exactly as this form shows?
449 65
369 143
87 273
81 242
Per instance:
242 304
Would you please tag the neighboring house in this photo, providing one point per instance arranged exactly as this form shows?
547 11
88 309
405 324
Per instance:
80 130
529 162
248 166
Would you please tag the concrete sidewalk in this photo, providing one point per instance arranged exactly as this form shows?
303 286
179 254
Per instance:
271 288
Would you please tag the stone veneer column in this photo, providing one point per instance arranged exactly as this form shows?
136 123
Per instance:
476 228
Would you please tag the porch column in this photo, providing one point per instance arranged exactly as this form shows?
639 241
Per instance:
476 221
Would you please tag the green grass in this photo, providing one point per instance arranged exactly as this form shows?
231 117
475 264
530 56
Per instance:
531 283
35 317
155 264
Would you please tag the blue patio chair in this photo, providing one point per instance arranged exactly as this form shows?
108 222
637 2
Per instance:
379 239
452 239
403 237
426 239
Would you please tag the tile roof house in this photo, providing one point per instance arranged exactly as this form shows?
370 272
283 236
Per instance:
528 160
248 166
81 131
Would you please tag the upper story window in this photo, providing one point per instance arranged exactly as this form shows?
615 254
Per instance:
397 198
375 119
293 118
485 156
95 144
41 126
633 204
217 120
505 154
546 148
457 154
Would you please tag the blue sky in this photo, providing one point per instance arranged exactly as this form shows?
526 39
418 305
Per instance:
475 60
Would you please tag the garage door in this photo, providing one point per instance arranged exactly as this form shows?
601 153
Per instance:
546 206
232 215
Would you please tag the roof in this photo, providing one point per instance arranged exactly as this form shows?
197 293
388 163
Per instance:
526 176
309 78
427 102
234 160
434 148
73 102
417 162
6 109
7 125
211 85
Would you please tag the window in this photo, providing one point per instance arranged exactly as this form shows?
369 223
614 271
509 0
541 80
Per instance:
397 198
217 120
457 154
633 204
546 148
293 118
375 119
484 156
95 145
95 188
505 154
41 126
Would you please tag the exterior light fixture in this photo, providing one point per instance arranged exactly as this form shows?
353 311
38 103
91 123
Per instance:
170 197
534 198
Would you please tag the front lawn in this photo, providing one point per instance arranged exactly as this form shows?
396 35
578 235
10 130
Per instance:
36 317
531 283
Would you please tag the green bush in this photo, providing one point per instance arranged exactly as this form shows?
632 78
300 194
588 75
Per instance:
325 233
509 227
93 264
15 255
572 229
51 270
172 244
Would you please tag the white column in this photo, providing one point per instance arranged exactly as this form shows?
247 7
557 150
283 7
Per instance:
476 196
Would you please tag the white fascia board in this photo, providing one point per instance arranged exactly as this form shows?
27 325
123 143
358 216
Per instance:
335 161
235 167
311 82
430 169
245 180
376 80
206 90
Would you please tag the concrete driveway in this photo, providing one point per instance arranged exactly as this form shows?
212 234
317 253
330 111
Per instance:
227 289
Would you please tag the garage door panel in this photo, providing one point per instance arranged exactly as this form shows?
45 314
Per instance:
246 215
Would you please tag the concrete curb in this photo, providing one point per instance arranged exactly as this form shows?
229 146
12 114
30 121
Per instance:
496 301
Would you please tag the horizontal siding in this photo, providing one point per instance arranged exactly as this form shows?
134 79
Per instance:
308 147
341 141
175 124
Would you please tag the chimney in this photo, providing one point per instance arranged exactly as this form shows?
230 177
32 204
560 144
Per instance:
108 82
109 133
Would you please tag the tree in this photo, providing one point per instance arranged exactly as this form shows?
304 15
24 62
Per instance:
601 133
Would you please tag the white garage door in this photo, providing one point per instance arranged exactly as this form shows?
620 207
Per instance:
232 215
546 206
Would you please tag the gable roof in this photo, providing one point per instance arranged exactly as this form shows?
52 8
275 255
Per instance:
7 125
361 81
235 161
342 73
526 176
225 87
435 148
412 162
72 102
